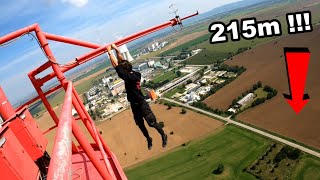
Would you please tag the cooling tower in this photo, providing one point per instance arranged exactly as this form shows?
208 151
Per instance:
125 53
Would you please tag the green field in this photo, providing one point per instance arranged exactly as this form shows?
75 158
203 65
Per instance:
260 94
221 51
57 98
101 66
235 148
171 75
174 91
308 168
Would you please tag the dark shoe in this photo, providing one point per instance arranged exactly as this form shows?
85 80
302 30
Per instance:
164 140
149 143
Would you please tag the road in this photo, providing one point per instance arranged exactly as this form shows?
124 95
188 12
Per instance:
239 124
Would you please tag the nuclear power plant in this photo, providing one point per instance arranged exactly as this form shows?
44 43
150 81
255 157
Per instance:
125 53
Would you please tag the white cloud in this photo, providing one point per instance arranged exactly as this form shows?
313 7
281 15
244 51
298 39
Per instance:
77 3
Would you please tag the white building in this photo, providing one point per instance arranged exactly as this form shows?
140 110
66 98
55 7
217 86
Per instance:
188 69
196 51
190 98
204 90
106 80
191 87
246 99
118 87
232 110
151 64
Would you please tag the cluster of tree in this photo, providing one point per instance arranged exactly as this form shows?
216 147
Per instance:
203 106
287 152
161 124
242 49
235 69
254 87
153 85
169 104
183 111
219 169
93 114
179 73
271 93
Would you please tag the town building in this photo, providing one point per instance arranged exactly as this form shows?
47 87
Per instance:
191 87
246 99
151 63
118 87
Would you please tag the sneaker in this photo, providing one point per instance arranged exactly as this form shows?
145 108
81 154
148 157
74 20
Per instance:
149 143
164 140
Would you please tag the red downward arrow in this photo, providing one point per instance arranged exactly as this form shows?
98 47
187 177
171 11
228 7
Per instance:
297 60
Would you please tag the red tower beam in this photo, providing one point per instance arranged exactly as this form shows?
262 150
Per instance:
102 49
112 168
60 165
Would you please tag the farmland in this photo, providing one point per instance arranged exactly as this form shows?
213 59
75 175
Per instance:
222 51
266 63
233 147
127 142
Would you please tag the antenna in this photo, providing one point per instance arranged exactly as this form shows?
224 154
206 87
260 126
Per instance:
177 17
174 10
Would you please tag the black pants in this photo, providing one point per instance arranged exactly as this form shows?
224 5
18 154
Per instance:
142 111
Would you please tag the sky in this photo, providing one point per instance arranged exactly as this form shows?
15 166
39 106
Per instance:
98 21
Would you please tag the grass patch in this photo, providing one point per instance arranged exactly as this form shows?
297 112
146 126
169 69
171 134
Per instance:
207 57
260 93
275 163
233 147
171 75
224 50
308 168
174 91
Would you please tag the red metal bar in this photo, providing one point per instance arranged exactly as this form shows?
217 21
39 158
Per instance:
86 119
46 103
52 90
187 17
70 41
44 100
102 49
113 169
40 69
48 130
81 138
60 164
17 33
6 109
77 131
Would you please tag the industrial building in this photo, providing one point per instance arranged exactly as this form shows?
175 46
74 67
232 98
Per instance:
118 87
246 99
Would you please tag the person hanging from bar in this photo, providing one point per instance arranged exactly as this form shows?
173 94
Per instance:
140 108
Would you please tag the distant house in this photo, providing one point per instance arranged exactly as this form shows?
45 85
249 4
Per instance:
190 98
191 87
118 87
232 110
74 112
158 65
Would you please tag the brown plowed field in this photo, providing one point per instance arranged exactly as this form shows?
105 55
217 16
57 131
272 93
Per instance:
123 136
266 63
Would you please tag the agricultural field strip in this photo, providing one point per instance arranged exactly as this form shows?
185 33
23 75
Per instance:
228 120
